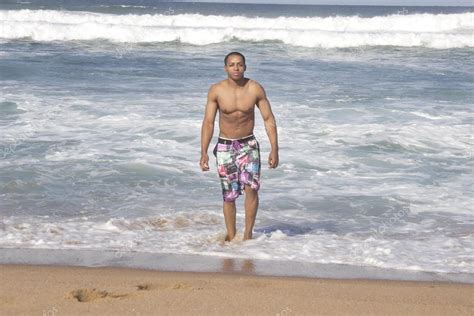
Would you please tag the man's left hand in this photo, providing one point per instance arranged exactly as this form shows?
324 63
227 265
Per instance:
273 159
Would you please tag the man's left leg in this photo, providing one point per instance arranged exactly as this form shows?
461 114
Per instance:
251 207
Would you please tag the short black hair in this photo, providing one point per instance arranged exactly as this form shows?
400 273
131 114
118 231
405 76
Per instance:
233 53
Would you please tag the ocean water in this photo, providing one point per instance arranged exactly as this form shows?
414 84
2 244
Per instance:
101 105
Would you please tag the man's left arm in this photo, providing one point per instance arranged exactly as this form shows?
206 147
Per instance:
270 125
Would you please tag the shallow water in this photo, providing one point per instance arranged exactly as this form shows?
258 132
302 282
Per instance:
100 125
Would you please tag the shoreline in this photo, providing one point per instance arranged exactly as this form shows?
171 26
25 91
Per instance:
56 290
209 264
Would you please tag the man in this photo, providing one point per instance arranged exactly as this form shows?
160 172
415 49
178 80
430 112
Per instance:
237 150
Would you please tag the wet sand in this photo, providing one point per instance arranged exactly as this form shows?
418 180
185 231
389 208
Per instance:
64 290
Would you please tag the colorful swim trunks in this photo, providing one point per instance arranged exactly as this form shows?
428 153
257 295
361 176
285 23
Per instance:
238 164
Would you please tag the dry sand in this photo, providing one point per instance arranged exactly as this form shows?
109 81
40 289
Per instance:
59 290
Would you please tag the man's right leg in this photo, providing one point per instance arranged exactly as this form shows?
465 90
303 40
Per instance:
230 219
228 174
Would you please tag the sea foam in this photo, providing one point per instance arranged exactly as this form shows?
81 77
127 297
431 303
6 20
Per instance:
439 31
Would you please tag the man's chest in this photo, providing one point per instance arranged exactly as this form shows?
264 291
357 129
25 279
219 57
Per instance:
236 102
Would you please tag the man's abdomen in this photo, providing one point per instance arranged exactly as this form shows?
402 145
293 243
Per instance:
236 126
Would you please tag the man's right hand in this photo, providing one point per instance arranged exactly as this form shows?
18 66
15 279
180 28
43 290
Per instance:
204 163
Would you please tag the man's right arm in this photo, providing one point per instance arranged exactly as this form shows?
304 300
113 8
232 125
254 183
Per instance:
207 129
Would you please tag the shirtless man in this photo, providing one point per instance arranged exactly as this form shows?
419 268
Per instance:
237 151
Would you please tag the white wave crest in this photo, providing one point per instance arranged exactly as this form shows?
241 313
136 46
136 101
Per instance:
424 30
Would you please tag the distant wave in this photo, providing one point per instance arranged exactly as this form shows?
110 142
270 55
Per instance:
423 30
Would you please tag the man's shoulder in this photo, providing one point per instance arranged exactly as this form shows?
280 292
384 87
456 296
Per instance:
255 84
223 85
217 86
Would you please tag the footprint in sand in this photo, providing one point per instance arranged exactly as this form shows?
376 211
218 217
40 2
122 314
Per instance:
181 286
143 287
87 295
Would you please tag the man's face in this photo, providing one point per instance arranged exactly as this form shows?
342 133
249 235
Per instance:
235 67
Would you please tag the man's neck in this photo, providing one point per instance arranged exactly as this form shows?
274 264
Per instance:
238 83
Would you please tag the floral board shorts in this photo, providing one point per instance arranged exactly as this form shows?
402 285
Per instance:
238 164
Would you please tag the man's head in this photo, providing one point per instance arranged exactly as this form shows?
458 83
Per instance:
234 65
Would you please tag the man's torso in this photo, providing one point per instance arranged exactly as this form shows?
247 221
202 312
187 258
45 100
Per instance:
236 107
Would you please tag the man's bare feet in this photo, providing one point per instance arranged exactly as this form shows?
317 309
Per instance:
247 236
227 237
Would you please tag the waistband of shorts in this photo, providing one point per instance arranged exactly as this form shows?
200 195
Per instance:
224 140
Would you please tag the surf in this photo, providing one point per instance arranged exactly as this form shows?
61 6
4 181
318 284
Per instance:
437 31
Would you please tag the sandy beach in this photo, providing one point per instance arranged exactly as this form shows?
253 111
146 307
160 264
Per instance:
102 109
63 290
